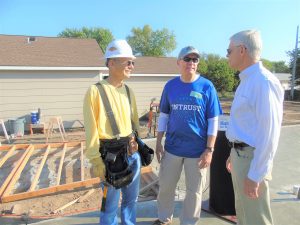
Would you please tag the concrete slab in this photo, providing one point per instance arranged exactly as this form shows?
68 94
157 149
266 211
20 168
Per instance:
146 214
286 173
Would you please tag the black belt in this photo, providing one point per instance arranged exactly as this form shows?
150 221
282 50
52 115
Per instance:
238 145
116 139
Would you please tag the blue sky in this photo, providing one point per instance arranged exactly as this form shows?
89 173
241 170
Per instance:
205 24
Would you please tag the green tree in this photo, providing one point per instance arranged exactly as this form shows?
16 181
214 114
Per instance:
103 36
276 67
280 67
202 66
216 69
147 42
292 58
267 63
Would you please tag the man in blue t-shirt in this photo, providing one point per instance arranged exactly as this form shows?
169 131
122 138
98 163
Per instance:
189 110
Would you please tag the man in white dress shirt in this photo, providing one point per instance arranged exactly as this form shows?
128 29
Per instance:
253 130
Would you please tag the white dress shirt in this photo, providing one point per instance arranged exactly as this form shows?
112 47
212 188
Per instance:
256 116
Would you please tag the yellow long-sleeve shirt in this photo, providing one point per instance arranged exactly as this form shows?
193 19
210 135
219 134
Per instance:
97 125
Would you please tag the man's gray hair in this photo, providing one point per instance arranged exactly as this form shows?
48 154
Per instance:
251 39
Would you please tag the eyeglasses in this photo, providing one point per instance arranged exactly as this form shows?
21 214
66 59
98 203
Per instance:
229 51
128 63
188 59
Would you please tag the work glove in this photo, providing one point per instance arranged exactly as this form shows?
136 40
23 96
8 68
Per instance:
98 168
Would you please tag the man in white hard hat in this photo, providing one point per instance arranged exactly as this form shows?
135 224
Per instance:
119 60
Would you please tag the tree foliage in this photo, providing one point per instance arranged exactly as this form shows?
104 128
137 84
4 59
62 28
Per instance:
280 67
216 69
225 79
276 67
103 36
146 42
267 63
292 59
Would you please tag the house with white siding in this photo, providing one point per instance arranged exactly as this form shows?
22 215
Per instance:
53 74
285 80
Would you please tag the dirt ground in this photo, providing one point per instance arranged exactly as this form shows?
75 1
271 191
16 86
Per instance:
291 112
42 207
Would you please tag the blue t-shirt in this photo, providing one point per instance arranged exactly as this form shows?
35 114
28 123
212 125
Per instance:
189 105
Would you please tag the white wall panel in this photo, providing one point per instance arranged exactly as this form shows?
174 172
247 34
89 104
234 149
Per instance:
62 92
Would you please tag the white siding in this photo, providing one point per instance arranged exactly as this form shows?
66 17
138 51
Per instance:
55 93
62 92
147 88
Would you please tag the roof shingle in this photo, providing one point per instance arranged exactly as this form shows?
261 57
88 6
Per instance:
155 65
49 52
16 50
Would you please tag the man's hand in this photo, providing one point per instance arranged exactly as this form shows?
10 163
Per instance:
205 159
228 165
133 145
98 168
159 151
251 188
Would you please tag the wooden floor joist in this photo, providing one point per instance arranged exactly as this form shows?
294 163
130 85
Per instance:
62 159
14 170
149 180
18 172
29 154
149 186
50 190
38 173
81 162
8 154
27 151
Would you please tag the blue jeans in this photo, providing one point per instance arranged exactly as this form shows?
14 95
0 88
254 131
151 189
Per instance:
130 195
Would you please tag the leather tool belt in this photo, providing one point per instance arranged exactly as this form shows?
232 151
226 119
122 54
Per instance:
115 156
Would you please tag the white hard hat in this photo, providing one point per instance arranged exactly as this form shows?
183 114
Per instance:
118 49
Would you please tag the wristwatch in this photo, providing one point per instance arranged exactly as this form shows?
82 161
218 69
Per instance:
211 149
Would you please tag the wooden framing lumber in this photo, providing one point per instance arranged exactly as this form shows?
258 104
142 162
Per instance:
50 190
79 199
26 154
81 162
7 155
86 195
148 179
18 171
64 206
61 164
14 175
39 146
15 169
149 186
38 173
146 169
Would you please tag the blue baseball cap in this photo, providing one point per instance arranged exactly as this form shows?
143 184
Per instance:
188 50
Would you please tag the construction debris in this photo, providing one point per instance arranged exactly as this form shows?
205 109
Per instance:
54 178
17 209
80 199
36 170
